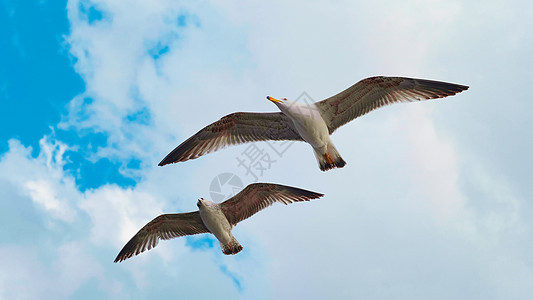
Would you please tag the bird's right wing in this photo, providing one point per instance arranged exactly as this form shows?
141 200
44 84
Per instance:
236 128
258 196
374 92
164 227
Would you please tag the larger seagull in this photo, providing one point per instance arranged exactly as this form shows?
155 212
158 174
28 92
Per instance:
215 218
312 123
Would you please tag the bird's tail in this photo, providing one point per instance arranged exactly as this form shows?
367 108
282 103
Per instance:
329 160
233 247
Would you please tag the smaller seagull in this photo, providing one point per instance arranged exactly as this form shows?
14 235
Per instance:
215 218
312 123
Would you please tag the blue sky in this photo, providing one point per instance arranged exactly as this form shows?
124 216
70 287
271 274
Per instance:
434 201
37 75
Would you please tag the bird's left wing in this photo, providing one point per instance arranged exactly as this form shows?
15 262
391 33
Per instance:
164 227
258 196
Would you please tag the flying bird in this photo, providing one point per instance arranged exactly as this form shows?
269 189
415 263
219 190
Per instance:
312 123
216 218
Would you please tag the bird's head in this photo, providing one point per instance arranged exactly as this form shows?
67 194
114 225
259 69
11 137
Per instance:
200 202
278 102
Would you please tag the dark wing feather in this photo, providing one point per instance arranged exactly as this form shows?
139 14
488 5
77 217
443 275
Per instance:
258 196
233 129
164 227
374 92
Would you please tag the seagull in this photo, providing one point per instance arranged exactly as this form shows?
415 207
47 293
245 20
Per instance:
312 123
215 218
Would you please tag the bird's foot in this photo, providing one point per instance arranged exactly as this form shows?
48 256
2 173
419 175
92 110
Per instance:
328 158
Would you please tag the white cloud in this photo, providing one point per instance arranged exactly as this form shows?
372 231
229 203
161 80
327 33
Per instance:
434 161
118 213
42 178
25 276
42 192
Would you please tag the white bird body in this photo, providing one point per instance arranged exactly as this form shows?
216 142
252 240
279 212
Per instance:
308 122
310 125
217 223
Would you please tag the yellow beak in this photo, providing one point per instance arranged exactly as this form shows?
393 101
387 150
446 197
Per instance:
274 99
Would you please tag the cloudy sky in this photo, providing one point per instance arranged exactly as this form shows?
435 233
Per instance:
435 200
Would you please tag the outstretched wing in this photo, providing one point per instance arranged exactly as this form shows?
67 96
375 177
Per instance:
375 92
257 196
233 129
164 227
